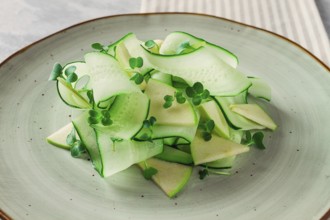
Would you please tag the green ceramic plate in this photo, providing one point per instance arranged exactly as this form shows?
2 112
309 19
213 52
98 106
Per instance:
288 180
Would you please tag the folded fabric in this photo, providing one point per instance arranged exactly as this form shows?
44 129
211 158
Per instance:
298 20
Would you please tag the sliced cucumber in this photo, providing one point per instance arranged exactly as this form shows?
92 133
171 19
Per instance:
177 114
201 66
234 119
119 155
185 132
58 139
254 113
112 48
174 40
88 137
107 77
184 148
68 93
162 77
171 154
210 110
171 177
260 89
134 49
217 148
224 163
170 141
127 113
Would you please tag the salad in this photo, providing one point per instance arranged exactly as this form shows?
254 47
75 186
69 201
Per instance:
167 106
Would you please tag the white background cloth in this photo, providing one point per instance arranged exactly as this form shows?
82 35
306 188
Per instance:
298 20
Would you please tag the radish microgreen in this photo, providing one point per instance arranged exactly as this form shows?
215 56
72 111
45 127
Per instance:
255 140
77 147
184 47
207 128
147 129
206 172
100 47
148 172
56 72
95 117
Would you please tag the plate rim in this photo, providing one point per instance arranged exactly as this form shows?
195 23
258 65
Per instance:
326 215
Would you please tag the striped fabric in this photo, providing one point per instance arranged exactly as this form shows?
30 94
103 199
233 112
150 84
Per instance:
298 20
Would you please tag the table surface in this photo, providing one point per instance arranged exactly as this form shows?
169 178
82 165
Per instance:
25 21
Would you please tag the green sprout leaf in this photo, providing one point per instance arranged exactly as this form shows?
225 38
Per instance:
255 140
97 46
72 78
209 125
56 72
184 47
206 136
93 121
190 92
105 113
258 140
152 120
150 44
71 138
70 70
149 172
146 124
135 62
93 113
198 87
137 78
205 94
203 173
90 96
77 149
106 121
196 100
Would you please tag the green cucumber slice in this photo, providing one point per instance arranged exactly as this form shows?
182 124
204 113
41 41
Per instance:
224 163
177 114
171 154
254 113
171 177
107 78
234 119
260 89
211 111
162 77
88 137
172 43
58 138
214 149
201 66
127 113
119 155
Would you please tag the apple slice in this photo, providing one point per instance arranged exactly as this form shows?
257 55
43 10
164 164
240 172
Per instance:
171 177
58 138
255 113
217 148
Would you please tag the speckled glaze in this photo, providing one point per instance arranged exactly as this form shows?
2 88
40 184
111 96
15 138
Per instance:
288 180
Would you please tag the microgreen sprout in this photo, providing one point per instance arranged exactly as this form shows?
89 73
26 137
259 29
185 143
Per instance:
207 128
147 129
100 47
206 172
137 78
77 147
185 47
254 140
56 72
197 93
148 172
168 101
135 62
150 44
95 117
